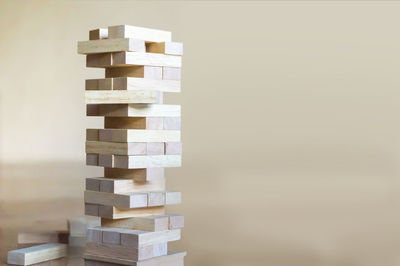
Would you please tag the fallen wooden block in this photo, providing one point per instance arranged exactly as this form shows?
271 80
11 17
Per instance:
132 83
111 45
121 96
170 48
147 223
132 59
133 110
123 185
131 200
150 35
98 34
42 237
146 72
37 254
173 258
130 237
126 252
139 135
112 212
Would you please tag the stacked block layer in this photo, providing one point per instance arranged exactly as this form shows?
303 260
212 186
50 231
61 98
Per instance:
141 136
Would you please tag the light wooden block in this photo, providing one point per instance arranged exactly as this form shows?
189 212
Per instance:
134 122
176 221
138 175
155 148
128 200
138 135
149 35
155 198
173 148
145 72
98 34
111 45
42 237
112 212
94 234
172 123
133 110
92 159
119 251
173 258
124 59
171 73
37 254
131 148
129 83
145 223
170 48
117 97
134 162
173 197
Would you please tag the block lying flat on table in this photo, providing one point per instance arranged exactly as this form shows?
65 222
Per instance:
130 237
126 252
139 135
107 96
151 35
36 254
132 83
147 72
123 185
133 110
133 199
170 48
138 175
111 45
132 59
98 34
147 223
41 237
112 212
173 258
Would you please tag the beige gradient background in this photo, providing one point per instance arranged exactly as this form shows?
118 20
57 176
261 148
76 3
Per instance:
290 123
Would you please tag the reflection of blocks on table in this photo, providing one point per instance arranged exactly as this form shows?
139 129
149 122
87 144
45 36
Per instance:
141 136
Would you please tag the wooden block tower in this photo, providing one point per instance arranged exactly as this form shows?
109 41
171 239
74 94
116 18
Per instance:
141 137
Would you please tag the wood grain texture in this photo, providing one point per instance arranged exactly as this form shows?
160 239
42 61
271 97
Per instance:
120 252
133 110
147 223
37 254
121 96
111 45
150 35
133 83
173 258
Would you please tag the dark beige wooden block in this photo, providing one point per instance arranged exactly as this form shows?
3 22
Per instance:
92 159
133 110
111 45
138 175
134 122
92 209
98 34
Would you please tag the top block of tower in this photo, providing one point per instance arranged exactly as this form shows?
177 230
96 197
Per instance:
146 34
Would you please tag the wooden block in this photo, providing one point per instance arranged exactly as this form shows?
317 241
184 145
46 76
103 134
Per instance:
92 209
134 122
99 84
42 237
120 252
138 175
37 254
123 185
176 221
155 148
78 226
138 135
133 110
146 72
92 134
171 73
171 48
137 238
173 258
112 45
76 241
93 184
116 97
106 160
98 34
128 200
111 235
134 162
149 35
131 148
173 148
94 234
156 198
145 223
172 123
112 212
92 159
172 197
124 59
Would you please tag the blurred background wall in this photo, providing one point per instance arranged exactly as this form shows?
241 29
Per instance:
290 122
